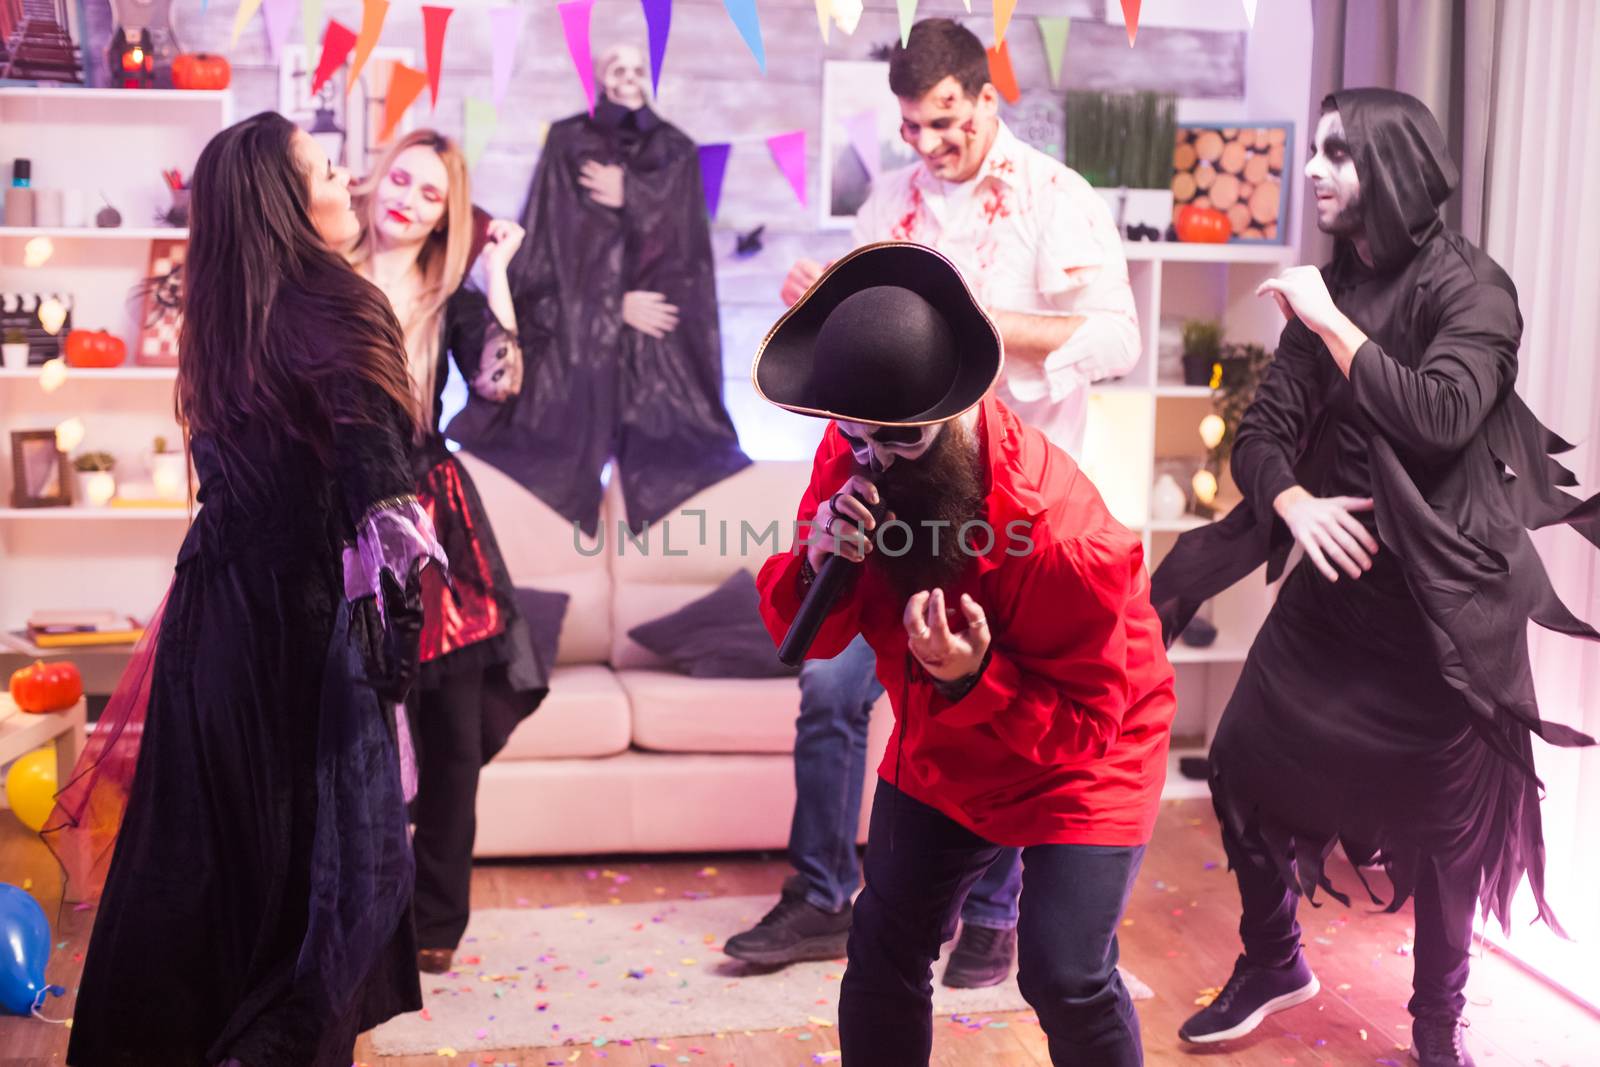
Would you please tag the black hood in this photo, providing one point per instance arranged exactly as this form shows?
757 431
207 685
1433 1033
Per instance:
1405 169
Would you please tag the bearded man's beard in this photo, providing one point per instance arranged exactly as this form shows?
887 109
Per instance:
935 495
1349 222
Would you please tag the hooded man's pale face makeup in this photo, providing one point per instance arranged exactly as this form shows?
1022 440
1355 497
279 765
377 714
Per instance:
624 75
877 447
1334 183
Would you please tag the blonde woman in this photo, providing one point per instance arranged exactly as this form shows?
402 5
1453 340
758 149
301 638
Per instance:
479 673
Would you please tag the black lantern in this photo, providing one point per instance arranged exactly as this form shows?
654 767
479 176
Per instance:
327 132
132 62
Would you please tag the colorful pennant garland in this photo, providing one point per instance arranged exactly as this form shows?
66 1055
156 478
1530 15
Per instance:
1001 73
789 152
862 129
241 19
1054 32
1130 15
713 165
505 34
373 12
405 85
434 22
658 21
1003 10
310 23
1250 12
478 126
824 13
575 24
908 16
337 42
279 18
748 21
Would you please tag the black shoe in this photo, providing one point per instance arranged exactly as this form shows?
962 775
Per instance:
982 957
794 931
1252 994
1437 1041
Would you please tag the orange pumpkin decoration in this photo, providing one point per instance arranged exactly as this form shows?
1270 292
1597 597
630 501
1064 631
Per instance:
95 348
1203 225
201 70
46 687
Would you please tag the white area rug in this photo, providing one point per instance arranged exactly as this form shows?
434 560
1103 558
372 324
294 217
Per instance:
533 978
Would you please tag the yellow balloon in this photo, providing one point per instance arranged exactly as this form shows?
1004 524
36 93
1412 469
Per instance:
31 787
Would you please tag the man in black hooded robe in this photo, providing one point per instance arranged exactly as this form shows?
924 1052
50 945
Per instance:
616 290
1387 703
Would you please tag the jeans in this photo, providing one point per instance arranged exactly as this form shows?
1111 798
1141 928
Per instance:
830 767
1271 933
1072 903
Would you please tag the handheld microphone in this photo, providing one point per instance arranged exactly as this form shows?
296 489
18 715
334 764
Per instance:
832 578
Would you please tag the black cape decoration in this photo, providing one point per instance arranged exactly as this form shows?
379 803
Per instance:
1336 712
595 389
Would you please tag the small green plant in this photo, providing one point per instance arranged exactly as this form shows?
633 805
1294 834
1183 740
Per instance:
1247 364
1202 338
95 461
161 446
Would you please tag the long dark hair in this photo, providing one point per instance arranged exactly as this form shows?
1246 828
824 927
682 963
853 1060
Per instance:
276 326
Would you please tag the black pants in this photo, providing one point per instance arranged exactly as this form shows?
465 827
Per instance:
1271 933
920 864
449 757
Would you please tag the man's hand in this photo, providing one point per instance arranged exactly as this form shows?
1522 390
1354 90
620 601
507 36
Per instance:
947 656
604 183
842 524
1301 293
801 277
504 238
1326 529
649 313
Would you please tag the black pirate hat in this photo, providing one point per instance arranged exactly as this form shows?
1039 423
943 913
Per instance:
890 335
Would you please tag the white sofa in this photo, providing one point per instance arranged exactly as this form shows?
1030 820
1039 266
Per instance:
627 755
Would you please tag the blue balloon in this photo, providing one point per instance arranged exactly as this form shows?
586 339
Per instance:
24 950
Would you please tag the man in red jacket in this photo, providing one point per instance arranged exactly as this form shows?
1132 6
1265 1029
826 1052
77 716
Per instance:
1010 616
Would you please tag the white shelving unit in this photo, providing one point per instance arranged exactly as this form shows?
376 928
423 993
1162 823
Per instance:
113 145
1150 415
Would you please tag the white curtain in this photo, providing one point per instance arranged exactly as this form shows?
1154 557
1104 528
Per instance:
1540 203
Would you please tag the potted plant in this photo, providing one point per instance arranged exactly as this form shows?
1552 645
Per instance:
15 349
1202 343
96 485
169 471
1122 145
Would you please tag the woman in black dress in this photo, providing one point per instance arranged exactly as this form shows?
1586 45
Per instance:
257 906
480 675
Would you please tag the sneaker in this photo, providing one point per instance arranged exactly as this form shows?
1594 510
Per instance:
1437 1041
793 931
982 957
1252 994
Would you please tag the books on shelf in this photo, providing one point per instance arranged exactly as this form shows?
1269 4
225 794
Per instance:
82 629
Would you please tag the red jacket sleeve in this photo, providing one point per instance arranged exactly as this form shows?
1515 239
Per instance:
1056 687
779 580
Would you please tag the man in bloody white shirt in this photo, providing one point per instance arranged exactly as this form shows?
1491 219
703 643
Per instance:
1040 250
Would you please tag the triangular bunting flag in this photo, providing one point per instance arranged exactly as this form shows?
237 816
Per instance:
505 33
713 164
310 23
1001 74
1054 32
969 5
575 24
908 16
479 123
337 41
1250 12
824 13
405 85
789 152
743 13
279 17
434 21
1130 15
658 21
373 12
241 19
1003 10
846 15
863 131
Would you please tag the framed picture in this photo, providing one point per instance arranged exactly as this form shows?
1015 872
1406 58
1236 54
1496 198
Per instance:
32 37
860 136
161 316
1039 118
345 124
1239 171
41 477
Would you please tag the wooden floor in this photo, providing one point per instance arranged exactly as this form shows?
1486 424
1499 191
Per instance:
1178 936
